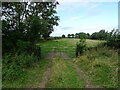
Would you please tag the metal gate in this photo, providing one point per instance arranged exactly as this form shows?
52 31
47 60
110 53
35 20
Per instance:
70 51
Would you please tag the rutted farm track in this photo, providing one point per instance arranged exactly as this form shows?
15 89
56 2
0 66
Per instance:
61 62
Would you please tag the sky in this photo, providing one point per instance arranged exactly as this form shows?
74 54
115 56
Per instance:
88 17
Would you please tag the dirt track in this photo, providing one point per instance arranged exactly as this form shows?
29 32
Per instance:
47 73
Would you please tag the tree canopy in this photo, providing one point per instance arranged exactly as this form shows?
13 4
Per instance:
27 21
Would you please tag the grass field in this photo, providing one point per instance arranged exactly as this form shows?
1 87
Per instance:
99 65
67 42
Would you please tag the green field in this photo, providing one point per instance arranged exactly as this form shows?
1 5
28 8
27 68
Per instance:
69 43
100 66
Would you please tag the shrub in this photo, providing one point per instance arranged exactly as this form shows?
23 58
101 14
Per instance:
13 66
80 46
29 48
114 39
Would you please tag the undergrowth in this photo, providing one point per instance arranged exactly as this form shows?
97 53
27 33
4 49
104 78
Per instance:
30 79
101 66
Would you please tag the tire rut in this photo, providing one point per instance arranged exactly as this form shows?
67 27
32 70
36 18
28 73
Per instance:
88 83
46 76
47 73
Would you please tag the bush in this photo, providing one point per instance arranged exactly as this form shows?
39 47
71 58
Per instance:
13 66
114 43
114 39
80 47
29 48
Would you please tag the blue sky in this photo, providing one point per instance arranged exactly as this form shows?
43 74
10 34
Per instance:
86 17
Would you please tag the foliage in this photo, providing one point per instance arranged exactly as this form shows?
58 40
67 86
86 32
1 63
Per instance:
24 23
58 37
29 48
77 35
13 65
27 22
101 35
31 78
80 46
63 36
101 66
113 39
69 35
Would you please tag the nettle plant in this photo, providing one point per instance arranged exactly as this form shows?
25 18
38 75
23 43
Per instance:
81 45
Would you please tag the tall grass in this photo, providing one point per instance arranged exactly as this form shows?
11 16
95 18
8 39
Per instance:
101 66
31 79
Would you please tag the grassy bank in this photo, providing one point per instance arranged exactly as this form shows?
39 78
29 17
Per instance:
32 77
101 66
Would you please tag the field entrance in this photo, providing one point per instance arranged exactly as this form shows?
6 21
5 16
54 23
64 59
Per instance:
58 51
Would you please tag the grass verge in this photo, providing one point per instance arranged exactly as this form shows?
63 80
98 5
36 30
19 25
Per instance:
101 66
32 77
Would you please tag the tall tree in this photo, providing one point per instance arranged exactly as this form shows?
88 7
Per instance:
72 35
63 36
69 35
27 21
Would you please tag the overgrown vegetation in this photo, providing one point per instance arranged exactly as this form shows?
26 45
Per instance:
81 46
113 39
28 23
30 78
101 65
24 23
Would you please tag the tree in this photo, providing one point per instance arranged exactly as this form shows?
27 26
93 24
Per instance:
72 35
81 45
69 35
94 35
88 36
82 35
63 36
101 35
27 21
77 35
113 39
